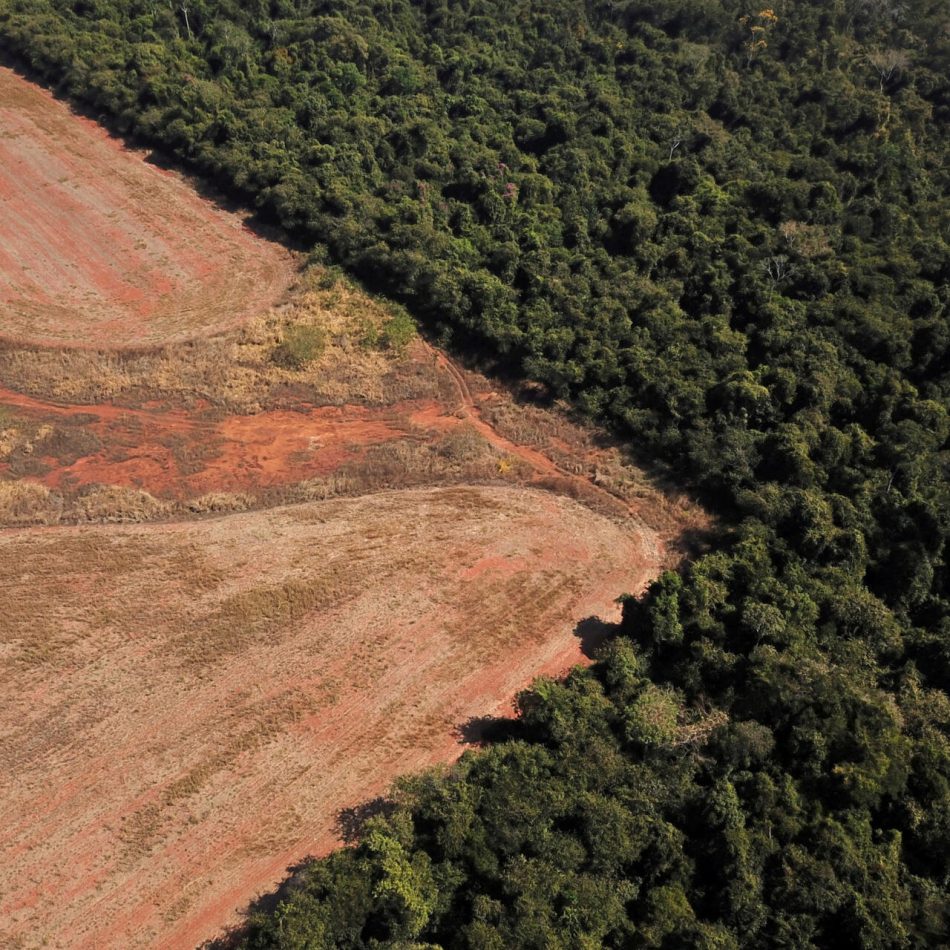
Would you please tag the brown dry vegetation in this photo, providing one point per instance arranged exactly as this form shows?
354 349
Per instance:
187 707
236 372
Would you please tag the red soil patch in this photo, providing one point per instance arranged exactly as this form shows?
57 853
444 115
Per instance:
182 454
178 455
99 248
187 707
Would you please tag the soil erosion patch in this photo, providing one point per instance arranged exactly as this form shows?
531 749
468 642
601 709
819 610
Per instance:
188 706
99 248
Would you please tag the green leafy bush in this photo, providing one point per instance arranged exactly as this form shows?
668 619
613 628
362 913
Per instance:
398 331
300 346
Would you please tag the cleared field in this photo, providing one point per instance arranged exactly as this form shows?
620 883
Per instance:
185 708
99 248
188 703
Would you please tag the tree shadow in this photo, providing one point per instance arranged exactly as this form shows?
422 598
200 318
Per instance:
693 542
234 202
264 904
351 822
593 633
482 730
350 825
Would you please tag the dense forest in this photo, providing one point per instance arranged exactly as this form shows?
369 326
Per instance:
725 232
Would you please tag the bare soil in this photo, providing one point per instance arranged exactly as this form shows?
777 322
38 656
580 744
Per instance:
216 426
98 248
186 708
237 596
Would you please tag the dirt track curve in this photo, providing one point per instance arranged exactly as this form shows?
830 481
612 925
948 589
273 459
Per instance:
542 464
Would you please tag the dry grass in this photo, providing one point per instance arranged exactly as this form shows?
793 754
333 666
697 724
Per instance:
219 503
24 503
237 372
258 612
27 503
116 505
459 457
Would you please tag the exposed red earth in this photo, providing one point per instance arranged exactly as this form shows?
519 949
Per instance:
180 454
99 248
186 706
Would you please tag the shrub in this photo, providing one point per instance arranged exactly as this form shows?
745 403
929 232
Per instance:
300 346
398 331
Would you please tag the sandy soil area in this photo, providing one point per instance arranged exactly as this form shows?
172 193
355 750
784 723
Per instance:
98 248
186 708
